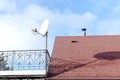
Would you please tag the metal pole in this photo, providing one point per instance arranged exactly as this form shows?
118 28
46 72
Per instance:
46 39
46 50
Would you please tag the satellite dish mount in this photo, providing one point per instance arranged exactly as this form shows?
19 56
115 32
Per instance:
43 30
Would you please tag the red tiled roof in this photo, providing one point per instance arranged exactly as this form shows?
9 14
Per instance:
85 57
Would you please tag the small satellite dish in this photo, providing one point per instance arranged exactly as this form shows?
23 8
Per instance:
44 27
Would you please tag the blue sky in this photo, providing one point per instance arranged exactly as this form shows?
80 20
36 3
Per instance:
67 18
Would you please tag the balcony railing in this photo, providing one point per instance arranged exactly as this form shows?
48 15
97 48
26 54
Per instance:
24 62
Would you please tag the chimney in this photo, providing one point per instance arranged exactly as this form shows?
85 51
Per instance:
84 31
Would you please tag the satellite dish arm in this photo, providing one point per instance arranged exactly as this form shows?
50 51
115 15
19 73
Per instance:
46 38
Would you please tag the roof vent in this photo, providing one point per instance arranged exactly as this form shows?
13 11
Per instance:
73 41
84 31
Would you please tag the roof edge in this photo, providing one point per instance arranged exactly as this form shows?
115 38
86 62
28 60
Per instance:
91 36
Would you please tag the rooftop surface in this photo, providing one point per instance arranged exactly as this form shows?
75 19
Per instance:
85 57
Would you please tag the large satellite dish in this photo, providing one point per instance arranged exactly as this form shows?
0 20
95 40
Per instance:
43 30
44 27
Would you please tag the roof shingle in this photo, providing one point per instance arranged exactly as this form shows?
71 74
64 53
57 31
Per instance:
85 57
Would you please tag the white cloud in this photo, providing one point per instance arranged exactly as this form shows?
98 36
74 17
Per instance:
15 32
18 25
7 5
15 29
70 22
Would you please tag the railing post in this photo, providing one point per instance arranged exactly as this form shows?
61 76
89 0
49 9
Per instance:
13 56
46 60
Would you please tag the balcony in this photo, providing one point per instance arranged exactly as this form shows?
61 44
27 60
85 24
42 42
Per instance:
24 63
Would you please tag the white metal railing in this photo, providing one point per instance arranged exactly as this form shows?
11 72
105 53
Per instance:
24 62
